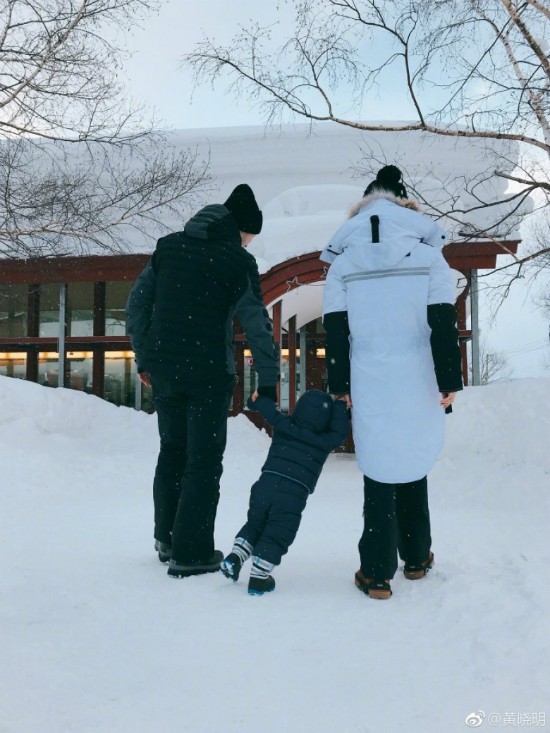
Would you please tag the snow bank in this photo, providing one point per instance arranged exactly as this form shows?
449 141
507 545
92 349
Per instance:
97 639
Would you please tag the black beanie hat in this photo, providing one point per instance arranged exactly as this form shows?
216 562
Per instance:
244 208
388 179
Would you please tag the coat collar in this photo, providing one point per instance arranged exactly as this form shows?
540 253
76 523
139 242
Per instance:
372 198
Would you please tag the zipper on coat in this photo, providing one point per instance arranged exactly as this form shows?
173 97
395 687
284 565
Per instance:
375 226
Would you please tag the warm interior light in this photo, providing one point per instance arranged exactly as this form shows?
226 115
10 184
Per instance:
54 356
320 353
119 354
80 354
12 356
284 352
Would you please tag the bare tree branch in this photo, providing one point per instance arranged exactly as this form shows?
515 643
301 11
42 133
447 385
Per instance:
539 6
515 15
80 169
469 69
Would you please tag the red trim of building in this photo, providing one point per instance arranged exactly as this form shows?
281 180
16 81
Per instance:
279 280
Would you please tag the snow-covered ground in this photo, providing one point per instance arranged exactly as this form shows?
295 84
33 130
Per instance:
97 639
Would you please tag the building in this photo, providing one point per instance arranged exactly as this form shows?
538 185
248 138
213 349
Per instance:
67 313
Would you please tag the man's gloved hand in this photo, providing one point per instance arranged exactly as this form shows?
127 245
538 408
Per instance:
270 392
145 378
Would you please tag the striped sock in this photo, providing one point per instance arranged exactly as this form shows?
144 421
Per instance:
242 549
260 568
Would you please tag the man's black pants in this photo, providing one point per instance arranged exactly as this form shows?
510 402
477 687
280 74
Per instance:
396 518
192 423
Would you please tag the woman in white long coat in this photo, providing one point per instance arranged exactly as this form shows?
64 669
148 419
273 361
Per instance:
392 344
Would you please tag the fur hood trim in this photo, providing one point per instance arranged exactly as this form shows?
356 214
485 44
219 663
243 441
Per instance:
367 201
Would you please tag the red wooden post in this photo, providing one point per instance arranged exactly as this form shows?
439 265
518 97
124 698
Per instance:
33 329
238 392
277 312
291 363
98 363
461 323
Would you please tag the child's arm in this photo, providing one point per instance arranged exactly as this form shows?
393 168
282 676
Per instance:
268 409
338 426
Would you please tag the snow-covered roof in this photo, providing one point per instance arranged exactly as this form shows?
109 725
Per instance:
306 177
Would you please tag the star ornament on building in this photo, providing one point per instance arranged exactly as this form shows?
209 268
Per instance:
291 284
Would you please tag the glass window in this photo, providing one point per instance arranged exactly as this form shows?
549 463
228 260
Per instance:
147 404
13 364
116 295
13 310
284 382
300 363
120 378
80 309
49 310
48 368
250 376
78 369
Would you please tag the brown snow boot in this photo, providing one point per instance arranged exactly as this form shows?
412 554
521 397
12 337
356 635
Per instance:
415 572
379 589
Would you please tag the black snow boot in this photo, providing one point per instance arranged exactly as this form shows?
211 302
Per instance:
164 550
259 586
199 567
231 566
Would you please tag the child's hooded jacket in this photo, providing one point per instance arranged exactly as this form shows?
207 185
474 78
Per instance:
302 442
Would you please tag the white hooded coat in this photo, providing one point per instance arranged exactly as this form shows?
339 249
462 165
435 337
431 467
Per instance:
385 287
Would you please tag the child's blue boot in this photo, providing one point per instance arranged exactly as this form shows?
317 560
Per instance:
259 586
231 566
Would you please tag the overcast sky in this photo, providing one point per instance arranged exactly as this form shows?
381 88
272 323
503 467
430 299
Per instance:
156 75
155 78
154 72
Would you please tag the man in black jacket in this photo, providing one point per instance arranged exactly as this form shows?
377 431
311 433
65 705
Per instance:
180 314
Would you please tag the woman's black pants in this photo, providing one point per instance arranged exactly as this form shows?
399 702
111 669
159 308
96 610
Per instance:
396 519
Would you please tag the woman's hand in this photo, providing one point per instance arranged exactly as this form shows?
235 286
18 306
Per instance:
345 398
447 399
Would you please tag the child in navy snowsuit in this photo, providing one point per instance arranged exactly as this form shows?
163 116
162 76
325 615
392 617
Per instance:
300 446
